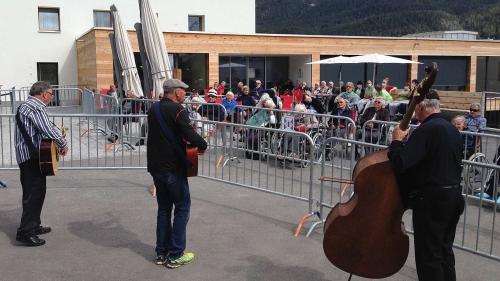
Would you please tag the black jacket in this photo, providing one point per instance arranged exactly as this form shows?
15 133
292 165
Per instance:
432 156
162 156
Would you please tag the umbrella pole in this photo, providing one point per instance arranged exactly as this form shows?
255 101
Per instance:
374 72
366 73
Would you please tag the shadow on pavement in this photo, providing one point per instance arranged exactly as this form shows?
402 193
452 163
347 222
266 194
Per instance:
107 231
9 221
262 268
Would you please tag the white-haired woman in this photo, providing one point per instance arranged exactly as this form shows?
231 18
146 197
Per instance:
377 112
263 117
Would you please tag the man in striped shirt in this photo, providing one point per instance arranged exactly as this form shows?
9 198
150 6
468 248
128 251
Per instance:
32 116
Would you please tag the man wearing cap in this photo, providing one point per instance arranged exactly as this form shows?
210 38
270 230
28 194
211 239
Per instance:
166 159
428 167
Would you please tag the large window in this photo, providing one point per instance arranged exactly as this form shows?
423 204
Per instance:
196 23
269 70
102 19
452 72
194 69
48 19
488 74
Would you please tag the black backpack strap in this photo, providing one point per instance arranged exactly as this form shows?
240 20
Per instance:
31 147
169 135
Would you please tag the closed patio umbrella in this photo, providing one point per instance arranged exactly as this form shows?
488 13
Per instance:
155 46
131 80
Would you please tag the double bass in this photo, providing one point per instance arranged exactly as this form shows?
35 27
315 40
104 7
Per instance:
366 236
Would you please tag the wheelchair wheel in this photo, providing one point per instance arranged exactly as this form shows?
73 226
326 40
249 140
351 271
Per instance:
475 178
318 146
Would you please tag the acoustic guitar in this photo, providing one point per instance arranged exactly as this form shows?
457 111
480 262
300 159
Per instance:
48 157
192 157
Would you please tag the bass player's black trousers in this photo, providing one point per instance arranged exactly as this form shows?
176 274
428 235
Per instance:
435 217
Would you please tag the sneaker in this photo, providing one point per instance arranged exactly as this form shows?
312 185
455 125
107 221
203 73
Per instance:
485 195
161 260
184 259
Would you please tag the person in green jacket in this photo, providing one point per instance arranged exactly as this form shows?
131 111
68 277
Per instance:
381 92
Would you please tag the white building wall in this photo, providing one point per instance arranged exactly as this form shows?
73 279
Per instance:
299 70
22 45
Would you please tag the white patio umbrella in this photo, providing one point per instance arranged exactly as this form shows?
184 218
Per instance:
378 58
131 80
334 60
155 46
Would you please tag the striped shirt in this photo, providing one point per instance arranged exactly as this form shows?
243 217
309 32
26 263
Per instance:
34 117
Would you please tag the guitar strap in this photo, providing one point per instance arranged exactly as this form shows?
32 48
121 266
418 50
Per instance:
167 133
31 147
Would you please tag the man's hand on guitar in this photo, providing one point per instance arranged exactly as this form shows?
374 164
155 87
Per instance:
399 134
63 151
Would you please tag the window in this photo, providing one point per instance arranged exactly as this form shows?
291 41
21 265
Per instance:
48 72
102 19
196 23
48 19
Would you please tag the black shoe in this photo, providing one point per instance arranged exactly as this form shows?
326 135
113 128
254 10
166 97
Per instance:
30 241
161 260
43 230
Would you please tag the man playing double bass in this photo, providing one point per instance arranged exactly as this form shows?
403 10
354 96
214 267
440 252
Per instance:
429 163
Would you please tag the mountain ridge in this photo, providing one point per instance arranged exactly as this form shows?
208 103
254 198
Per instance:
377 18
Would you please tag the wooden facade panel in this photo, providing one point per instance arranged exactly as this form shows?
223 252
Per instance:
226 44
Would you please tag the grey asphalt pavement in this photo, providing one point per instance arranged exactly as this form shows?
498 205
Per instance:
104 229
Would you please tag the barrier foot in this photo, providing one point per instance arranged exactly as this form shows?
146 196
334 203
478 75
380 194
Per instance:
313 226
217 165
86 131
2 184
302 221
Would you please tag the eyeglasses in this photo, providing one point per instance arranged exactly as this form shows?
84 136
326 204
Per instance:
473 110
51 93
377 101
340 102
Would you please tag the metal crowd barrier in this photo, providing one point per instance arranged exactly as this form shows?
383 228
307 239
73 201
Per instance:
261 158
477 230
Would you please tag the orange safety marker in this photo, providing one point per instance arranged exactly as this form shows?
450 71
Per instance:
301 224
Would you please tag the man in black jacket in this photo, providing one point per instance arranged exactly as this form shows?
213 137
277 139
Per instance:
430 164
166 159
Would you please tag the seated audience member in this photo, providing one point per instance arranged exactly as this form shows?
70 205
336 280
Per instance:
308 121
381 92
377 112
238 91
221 90
299 91
195 116
258 90
211 110
263 117
360 91
365 102
341 109
245 98
312 104
349 95
229 104
322 89
469 141
370 88
385 84
474 121
276 99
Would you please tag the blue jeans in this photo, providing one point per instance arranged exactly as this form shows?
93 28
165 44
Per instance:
171 190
